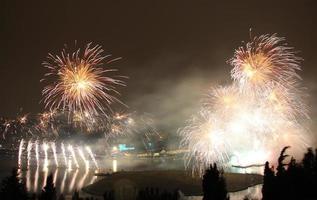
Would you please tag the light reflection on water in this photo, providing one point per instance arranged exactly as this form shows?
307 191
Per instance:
114 165
67 179
253 193
62 177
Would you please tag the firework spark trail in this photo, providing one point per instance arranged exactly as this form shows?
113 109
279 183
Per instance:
46 162
82 83
63 182
29 148
70 165
7 126
92 156
20 153
36 179
72 183
45 177
81 153
82 180
54 153
55 176
37 153
114 165
28 180
71 150
263 109
64 154
93 179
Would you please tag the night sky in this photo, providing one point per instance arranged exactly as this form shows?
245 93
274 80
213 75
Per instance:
172 50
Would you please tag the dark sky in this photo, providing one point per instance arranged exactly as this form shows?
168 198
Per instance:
172 50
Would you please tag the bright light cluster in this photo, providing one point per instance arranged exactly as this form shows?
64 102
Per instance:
260 112
80 83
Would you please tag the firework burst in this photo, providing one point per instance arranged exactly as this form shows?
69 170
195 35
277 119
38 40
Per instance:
80 83
265 60
262 109
206 142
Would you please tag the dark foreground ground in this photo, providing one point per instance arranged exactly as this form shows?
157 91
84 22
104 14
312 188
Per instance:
130 182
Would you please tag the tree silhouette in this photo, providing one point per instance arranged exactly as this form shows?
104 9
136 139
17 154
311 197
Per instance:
214 184
281 166
13 187
61 197
108 195
75 195
293 180
268 189
49 191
